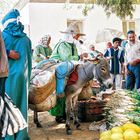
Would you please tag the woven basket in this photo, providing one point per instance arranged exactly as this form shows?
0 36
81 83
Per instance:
39 94
46 105
90 110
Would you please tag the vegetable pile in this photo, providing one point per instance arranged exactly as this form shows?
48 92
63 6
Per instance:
122 113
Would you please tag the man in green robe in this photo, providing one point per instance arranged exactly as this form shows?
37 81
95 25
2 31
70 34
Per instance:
65 50
17 83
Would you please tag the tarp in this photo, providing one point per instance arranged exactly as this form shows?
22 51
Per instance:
108 34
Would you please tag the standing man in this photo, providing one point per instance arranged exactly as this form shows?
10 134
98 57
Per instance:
132 57
116 60
17 83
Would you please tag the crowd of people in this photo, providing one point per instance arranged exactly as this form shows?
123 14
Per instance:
125 61
16 63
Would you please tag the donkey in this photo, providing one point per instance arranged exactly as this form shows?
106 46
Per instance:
97 68
86 72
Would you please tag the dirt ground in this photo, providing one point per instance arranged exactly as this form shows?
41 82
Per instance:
53 131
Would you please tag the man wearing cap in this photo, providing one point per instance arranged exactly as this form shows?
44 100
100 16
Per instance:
132 61
17 83
116 57
65 51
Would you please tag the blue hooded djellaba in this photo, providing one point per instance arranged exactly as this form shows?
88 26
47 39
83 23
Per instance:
17 83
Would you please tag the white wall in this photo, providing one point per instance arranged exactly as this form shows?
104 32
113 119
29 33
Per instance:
25 19
46 18
136 18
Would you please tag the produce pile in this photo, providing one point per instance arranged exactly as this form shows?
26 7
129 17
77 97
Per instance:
122 106
122 113
128 131
134 115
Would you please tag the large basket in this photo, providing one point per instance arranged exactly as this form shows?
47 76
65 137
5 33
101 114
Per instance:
39 94
90 110
46 105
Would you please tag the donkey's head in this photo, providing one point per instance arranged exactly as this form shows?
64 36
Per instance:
102 72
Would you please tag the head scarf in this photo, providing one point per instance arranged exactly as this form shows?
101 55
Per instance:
68 38
11 23
3 59
44 40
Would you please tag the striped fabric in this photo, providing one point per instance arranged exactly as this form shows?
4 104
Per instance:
11 119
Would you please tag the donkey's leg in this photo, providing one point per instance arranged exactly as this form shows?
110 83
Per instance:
75 111
75 108
68 111
36 121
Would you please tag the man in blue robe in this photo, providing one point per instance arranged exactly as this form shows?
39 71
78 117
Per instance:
17 83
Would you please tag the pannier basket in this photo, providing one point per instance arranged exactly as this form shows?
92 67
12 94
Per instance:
43 82
46 105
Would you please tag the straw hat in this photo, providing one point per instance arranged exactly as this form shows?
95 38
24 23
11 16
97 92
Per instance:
73 29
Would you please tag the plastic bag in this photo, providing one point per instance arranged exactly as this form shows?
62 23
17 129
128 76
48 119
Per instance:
59 108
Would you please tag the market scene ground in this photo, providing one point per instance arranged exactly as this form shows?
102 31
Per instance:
53 131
